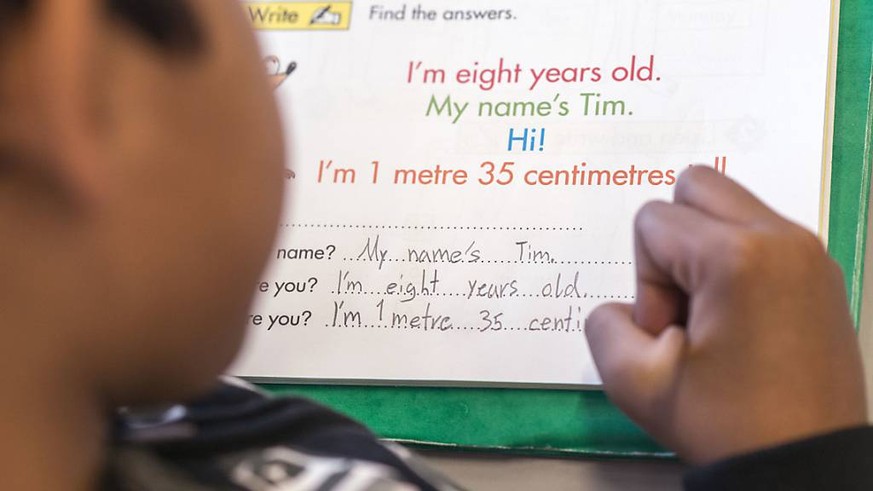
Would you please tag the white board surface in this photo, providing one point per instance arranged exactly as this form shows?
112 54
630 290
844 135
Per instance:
487 277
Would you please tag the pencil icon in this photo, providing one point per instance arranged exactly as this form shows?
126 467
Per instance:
275 72
325 16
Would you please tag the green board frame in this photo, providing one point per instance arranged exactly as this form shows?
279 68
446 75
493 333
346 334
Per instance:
562 422
853 146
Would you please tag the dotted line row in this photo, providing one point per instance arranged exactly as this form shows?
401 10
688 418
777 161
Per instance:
453 328
592 263
430 227
399 294
404 327
496 261
477 297
584 296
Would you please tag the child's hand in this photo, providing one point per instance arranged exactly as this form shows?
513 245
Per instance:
740 337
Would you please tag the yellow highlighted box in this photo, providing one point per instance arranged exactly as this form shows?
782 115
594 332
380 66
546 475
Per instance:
309 16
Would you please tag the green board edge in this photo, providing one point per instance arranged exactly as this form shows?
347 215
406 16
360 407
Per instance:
853 146
542 422
585 423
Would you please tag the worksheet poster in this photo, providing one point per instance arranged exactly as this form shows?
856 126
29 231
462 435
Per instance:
462 177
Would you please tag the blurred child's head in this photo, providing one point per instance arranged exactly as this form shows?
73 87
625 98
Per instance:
140 181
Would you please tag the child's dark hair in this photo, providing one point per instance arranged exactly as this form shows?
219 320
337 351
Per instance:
169 24
8 10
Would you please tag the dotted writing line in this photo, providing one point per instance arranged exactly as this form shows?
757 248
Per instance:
453 328
478 297
430 227
496 261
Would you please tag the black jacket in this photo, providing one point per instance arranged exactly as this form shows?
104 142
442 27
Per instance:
841 461
240 439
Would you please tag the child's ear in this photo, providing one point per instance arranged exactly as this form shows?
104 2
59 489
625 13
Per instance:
61 65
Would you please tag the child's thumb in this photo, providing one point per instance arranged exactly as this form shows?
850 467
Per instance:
636 367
